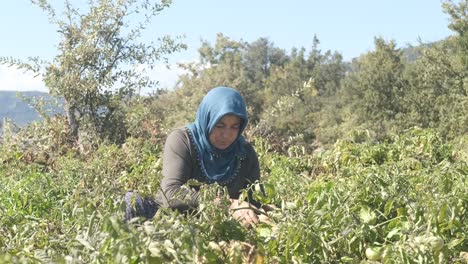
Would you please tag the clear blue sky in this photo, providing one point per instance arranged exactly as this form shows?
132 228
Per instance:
348 27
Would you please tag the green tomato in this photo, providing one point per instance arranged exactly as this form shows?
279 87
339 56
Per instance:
367 216
374 253
436 243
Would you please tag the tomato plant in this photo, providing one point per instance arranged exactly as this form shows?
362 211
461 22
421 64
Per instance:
403 200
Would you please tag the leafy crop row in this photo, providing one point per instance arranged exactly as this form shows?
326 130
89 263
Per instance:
403 200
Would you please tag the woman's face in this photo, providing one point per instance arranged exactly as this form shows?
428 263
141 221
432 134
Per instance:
225 131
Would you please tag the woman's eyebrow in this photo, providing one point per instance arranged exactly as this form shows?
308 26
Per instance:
222 123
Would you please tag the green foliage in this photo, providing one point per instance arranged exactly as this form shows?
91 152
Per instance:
371 195
374 88
315 99
220 65
404 198
459 24
436 97
391 186
99 63
41 142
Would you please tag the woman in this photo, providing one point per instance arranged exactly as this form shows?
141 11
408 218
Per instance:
211 149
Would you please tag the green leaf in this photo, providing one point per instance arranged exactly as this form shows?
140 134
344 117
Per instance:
85 242
388 207
393 232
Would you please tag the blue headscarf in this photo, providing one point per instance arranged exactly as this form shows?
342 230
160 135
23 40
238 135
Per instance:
218 165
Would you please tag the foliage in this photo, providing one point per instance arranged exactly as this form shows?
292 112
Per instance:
389 186
100 62
459 24
374 89
317 98
405 197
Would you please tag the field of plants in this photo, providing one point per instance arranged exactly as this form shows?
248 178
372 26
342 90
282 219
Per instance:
382 190
401 200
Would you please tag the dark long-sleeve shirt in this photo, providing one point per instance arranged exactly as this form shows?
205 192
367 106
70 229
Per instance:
180 165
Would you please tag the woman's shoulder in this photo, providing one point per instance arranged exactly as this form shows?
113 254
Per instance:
249 148
178 132
178 137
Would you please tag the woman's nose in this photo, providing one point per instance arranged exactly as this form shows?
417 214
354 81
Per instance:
226 133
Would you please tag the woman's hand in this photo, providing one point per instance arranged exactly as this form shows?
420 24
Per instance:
244 213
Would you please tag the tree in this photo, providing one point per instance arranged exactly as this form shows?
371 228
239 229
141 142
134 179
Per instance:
458 105
260 56
375 86
220 65
459 24
100 60
326 69
437 94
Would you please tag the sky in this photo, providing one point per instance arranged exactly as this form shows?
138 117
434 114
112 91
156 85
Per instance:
348 27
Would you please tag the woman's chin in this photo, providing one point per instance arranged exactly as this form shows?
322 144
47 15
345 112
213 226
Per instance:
222 146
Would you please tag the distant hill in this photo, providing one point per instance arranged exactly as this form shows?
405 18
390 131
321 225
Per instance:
15 107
